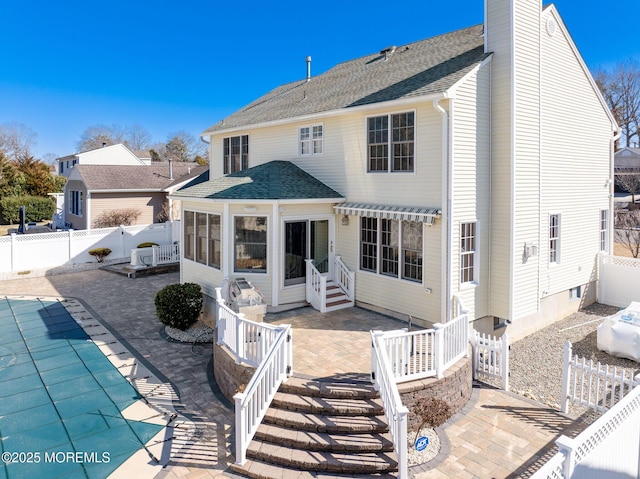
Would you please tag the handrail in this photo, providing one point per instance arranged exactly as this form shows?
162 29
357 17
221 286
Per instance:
396 414
252 404
316 287
344 278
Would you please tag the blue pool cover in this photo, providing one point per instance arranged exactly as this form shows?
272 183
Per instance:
61 399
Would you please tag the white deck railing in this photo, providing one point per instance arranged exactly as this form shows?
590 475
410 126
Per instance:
607 448
383 377
247 340
252 404
426 353
316 287
344 278
491 357
156 255
595 386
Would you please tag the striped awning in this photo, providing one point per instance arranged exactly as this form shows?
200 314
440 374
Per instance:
407 213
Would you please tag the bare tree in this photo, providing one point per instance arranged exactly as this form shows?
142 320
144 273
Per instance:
621 91
137 137
628 231
16 140
185 147
628 181
97 136
111 218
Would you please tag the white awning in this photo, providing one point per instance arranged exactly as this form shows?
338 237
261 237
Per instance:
407 213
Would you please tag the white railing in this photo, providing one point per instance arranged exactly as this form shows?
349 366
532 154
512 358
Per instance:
607 448
155 255
316 287
426 353
344 278
247 340
383 378
252 404
491 357
595 386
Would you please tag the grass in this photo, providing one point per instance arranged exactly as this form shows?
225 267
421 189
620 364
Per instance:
4 229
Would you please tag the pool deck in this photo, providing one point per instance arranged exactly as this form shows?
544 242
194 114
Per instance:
498 435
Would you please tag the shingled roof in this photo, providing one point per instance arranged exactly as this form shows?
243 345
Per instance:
426 67
276 180
134 177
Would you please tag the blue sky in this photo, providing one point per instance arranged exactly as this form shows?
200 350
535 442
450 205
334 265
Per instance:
169 66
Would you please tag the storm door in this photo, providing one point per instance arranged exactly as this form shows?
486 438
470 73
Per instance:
305 239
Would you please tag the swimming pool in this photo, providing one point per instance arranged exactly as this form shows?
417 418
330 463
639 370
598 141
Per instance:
61 398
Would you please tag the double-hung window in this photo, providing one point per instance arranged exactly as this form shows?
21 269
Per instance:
202 238
214 242
75 202
467 252
390 143
310 140
604 230
391 248
235 153
554 238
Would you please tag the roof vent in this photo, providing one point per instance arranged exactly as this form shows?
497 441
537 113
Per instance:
387 52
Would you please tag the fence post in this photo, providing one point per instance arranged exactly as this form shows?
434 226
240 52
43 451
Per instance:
566 364
240 341
505 362
439 349
474 354
219 302
289 350
374 360
154 255
403 453
241 454
70 250
566 446
13 252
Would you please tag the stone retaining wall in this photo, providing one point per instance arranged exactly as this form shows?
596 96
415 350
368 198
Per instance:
230 376
454 388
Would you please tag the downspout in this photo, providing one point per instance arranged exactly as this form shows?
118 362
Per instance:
445 306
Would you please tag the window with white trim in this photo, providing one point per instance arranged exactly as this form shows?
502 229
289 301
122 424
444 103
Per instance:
310 140
75 202
604 230
235 153
250 244
554 238
390 143
391 248
467 252
202 238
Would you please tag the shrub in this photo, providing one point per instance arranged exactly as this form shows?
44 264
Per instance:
112 218
100 253
432 411
179 305
147 244
36 208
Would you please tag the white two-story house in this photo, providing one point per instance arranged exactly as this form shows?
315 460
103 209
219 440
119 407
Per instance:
474 167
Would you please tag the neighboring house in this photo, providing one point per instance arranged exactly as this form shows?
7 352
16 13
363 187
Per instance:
472 166
627 162
117 154
95 189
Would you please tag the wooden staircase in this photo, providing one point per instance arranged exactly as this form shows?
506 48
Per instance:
336 297
328 429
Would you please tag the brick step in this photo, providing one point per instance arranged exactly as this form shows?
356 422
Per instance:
320 461
329 389
329 424
319 441
257 469
328 406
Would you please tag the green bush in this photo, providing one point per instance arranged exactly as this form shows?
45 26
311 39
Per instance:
37 208
100 253
179 305
147 244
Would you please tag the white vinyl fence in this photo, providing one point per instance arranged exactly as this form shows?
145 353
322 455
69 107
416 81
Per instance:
593 385
19 253
618 280
608 448
491 358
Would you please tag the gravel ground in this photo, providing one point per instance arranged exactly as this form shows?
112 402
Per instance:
536 361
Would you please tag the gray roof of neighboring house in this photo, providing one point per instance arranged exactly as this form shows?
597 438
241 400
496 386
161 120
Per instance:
627 157
134 177
425 67
276 180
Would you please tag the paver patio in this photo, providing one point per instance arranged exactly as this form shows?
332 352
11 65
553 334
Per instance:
498 435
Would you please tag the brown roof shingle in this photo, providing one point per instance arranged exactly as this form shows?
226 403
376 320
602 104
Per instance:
126 177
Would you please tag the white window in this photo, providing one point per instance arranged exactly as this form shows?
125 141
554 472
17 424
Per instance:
251 244
554 238
399 244
75 202
202 238
575 293
467 252
390 143
604 230
235 153
310 140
